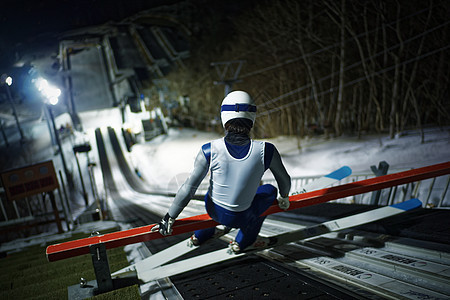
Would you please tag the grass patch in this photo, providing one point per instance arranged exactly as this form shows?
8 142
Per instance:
28 275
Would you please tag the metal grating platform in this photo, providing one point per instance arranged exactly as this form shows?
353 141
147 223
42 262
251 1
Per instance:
252 278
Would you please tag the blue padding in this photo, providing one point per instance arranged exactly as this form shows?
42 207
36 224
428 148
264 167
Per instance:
238 107
206 148
340 173
409 204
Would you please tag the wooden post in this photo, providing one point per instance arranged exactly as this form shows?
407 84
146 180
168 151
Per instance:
55 211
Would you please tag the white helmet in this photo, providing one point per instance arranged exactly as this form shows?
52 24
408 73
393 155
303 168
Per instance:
237 104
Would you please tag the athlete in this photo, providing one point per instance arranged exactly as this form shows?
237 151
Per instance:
236 164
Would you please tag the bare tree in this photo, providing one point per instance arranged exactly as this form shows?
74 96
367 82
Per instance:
351 66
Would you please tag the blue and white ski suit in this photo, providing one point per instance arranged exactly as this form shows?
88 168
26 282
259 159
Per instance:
235 197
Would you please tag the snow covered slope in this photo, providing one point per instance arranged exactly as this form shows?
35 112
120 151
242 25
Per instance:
169 159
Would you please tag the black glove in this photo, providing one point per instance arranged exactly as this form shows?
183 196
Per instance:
165 225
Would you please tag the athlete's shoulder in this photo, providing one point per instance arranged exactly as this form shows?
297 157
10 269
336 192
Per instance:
267 145
258 142
206 149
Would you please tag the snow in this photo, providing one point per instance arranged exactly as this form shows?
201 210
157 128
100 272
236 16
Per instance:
169 159
319 156
45 238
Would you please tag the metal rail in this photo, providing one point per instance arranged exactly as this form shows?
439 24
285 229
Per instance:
433 192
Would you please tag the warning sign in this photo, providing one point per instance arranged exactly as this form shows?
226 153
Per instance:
30 180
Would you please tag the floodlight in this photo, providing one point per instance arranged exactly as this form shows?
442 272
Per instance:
5 78
41 84
50 92
53 100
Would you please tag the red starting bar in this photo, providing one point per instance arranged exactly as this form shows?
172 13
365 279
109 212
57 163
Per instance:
143 234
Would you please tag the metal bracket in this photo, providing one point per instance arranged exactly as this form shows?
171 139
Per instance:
101 268
105 283
380 171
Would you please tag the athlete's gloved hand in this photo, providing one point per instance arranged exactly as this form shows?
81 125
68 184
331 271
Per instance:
165 225
283 202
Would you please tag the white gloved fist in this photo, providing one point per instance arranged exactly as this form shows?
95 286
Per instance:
164 226
283 202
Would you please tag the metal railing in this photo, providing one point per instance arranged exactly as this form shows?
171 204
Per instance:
432 192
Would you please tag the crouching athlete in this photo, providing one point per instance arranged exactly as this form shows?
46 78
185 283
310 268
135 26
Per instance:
236 163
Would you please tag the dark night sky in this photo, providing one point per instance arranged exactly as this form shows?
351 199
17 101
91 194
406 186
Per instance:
27 18
25 22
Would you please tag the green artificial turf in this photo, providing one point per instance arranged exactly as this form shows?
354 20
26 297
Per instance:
28 275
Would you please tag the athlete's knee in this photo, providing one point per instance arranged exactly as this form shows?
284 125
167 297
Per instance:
267 189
